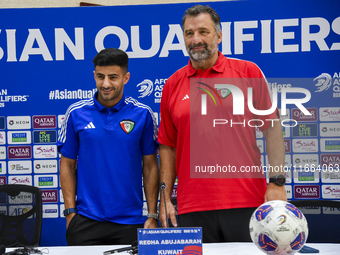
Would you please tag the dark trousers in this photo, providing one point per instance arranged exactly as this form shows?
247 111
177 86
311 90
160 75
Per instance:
230 225
86 231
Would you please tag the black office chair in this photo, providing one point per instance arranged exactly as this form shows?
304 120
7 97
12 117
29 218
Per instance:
323 217
20 215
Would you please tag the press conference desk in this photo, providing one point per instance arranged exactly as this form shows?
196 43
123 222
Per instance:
208 249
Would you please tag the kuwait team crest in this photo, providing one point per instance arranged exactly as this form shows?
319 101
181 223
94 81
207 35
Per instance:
223 93
127 125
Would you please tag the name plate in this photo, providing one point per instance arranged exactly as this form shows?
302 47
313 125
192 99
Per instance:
159 241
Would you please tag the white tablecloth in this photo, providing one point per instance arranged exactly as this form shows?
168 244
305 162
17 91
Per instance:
208 249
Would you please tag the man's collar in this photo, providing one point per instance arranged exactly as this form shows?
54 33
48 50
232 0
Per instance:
218 67
102 108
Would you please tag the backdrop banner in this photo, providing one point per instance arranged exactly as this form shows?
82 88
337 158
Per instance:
46 65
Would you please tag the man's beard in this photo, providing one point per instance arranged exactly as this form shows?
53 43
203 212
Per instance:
201 55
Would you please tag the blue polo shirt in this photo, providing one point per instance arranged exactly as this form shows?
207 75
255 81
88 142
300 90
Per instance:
109 144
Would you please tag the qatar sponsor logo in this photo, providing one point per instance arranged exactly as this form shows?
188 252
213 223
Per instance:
49 195
18 122
305 145
329 114
299 116
307 191
331 191
3 180
330 160
45 151
19 152
46 121
325 81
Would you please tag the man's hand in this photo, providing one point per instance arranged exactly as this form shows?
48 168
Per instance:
151 223
69 218
275 192
171 214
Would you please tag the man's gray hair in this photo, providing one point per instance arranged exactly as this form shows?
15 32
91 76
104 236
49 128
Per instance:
198 9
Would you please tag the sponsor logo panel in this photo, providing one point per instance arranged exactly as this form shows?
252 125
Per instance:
62 208
329 129
330 160
45 151
330 145
22 198
20 179
286 131
330 210
20 167
330 176
19 137
49 195
3 210
18 122
61 119
45 136
2 123
2 152
45 166
3 167
16 210
307 191
305 145
331 191
289 191
47 121
46 181
2 138
50 211
329 113
3 180
303 176
299 116
287 145
310 210
305 130
305 160
260 145
19 152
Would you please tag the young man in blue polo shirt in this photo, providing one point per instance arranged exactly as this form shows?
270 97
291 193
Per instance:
107 144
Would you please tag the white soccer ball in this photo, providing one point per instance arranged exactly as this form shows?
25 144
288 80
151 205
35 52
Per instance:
278 227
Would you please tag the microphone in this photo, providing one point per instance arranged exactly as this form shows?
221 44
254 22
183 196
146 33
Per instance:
166 213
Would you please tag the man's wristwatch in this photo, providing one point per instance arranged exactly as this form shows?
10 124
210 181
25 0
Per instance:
152 215
279 179
69 210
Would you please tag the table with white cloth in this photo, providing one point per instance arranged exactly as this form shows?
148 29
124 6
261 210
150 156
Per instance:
208 249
